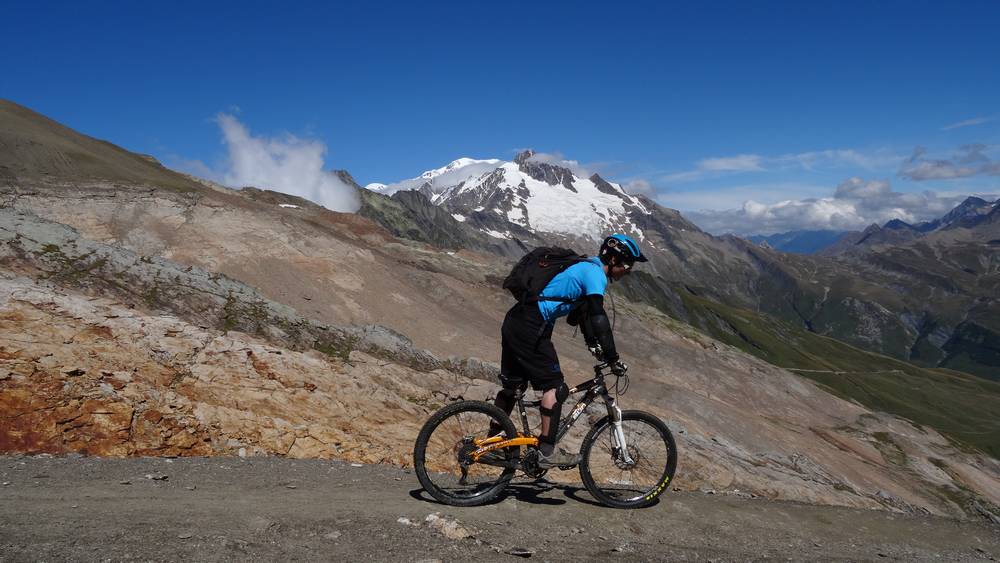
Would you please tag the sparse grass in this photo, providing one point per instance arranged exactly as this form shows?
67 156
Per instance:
67 268
340 350
152 294
939 463
964 408
51 249
889 449
229 313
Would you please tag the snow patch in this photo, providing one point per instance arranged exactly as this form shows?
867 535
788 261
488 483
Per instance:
462 170
496 234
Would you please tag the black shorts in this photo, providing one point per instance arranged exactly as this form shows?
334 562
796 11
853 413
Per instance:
527 354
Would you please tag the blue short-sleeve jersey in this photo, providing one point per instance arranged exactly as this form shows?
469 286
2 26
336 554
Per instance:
580 279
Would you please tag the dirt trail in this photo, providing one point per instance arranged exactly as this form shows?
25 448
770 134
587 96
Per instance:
221 509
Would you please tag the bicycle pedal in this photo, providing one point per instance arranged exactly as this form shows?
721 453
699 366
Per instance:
566 467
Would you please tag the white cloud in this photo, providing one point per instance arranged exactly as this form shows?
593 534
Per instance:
557 159
856 188
288 164
880 158
971 160
738 163
733 196
679 177
811 160
968 122
639 186
856 203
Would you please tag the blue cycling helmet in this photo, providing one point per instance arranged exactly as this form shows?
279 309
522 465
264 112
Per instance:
623 247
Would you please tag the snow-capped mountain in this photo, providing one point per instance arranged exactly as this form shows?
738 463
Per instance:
528 193
433 182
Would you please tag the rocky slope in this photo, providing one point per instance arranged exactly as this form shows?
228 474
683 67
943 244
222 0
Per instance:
134 307
92 364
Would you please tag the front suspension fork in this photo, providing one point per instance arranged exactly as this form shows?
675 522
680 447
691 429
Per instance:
617 432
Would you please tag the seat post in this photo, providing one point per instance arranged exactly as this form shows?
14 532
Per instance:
519 398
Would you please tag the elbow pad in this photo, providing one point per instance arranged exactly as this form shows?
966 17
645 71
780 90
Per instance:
580 318
576 316
601 327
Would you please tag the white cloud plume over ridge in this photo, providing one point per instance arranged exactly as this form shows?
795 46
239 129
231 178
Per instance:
288 164
557 159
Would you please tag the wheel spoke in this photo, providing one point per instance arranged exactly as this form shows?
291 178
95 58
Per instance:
611 479
443 454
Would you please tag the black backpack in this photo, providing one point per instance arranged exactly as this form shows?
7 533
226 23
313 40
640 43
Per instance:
536 269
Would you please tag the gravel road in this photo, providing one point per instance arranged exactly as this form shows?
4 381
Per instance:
229 509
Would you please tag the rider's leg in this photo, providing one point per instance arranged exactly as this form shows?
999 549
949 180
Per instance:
551 409
506 399
510 381
512 375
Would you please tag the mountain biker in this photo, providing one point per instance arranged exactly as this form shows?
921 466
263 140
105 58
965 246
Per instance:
528 354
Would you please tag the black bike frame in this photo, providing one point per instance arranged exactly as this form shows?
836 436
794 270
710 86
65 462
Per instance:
592 389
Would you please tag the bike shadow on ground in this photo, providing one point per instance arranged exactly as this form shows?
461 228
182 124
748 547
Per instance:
532 492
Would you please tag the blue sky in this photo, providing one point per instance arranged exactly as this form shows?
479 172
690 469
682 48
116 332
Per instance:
704 106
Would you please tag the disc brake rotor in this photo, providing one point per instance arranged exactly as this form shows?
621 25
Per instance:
633 452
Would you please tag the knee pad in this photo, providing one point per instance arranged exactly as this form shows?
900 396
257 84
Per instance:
562 392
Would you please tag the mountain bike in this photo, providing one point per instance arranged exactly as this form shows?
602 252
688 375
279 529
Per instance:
628 457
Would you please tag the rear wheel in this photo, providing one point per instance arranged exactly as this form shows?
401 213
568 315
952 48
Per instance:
442 455
635 480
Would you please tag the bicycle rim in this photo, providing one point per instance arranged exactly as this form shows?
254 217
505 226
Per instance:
441 455
615 481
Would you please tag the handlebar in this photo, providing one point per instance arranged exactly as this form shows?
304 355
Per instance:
599 368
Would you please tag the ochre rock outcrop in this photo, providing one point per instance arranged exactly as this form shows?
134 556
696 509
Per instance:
87 375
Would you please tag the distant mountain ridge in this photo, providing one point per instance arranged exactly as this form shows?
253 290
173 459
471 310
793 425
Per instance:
938 314
968 214
799 242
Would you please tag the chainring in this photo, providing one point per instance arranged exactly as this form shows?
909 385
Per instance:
529 465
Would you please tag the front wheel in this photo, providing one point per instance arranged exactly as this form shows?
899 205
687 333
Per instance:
442 455
636 479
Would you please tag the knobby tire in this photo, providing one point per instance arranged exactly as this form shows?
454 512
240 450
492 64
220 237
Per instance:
609 481
435 479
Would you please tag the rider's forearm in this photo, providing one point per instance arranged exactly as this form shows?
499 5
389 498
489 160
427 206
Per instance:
588 331
600 327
